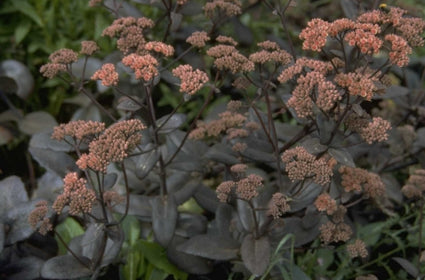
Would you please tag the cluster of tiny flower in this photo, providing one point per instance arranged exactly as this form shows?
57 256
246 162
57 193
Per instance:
246 188
227 7
324 202
116 142
37 218
278 205
198 39
78 129
302 165
129 31
227 57
60 61
415 185
76 195
144 66
357 179
191 80
357 249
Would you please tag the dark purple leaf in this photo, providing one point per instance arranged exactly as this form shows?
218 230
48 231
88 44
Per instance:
189 263
164 218
256 254
211 247
65 267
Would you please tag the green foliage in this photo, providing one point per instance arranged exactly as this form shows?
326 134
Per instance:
67 230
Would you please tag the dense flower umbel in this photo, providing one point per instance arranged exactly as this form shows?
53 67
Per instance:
89 47
113 145
301 165
324 202
144 66
357 249
191 80
78 129
278 205
227 57
400 50
246 188
60 60
76 195
129 31
37 218
107 75
415 185
357 179
226 7
198 39
271 52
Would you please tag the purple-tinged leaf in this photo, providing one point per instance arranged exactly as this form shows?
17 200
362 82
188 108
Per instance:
66 267
164 219
256 254
408 266
211 247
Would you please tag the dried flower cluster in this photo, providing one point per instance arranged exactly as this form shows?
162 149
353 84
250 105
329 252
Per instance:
37 218
191 80
302 165
129 31
113 145
76 195
415 185
246 188
357 179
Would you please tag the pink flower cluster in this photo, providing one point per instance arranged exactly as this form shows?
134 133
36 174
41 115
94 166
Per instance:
76 195
37 218
400 50
227 57
115 144
60 61
89 47
302 165
358 83
335 232
144 66
129 31
324 202
227 7
228 120
191 80
246 188
415 185
198 39
278 205
357 179
78 129
271 52
107 74
159 47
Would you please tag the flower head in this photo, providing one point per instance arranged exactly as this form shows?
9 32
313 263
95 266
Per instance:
191 80
107 74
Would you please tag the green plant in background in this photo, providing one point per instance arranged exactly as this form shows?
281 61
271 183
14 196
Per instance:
208 138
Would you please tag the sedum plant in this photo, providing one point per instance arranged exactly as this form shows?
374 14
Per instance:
251 148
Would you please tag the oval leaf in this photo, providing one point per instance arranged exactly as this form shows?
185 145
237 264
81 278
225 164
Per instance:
256 254
20 74
37 122
167 124
164 219
65 267
211 247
